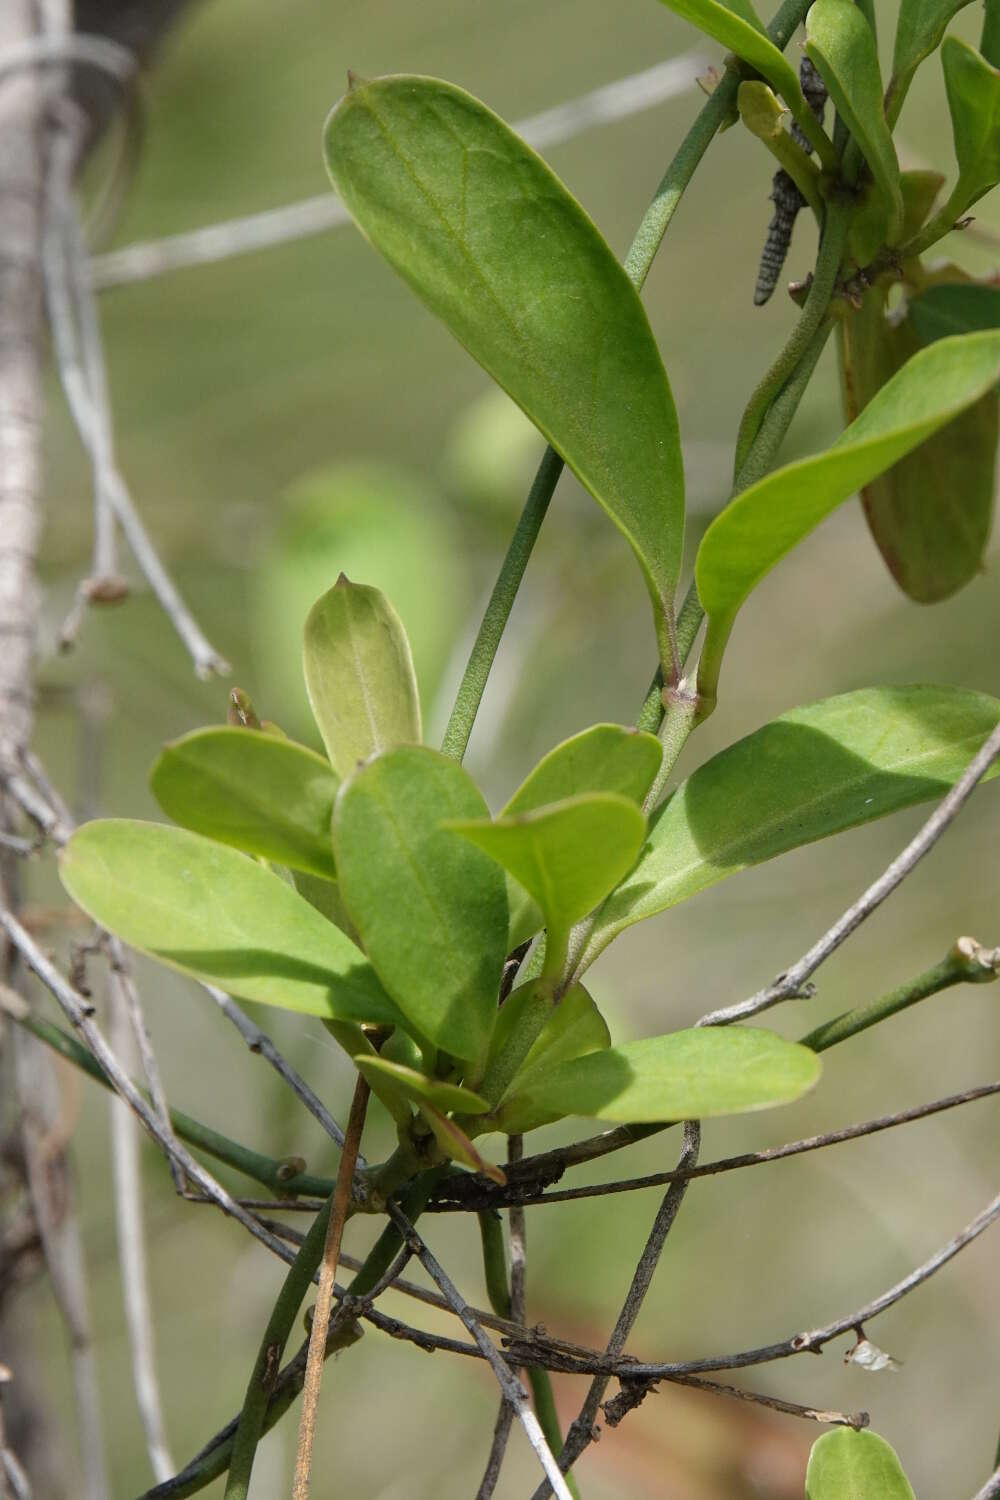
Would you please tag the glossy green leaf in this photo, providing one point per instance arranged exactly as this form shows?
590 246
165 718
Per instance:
919 29
811 773
849 1465
493 243
265 795
954 307
418 1087
603 758
930 513
430 908
684 1075
214 913
575 1028
738 28
841 46
973 88
359 675
568 856
767 520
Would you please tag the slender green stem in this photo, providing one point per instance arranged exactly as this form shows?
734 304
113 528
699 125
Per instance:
962 965
267 1170
817 302
477 671
267 1366
495 1261
675 727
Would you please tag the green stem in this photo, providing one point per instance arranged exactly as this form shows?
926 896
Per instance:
962 965
824 281
273 1174
267 1367
678 721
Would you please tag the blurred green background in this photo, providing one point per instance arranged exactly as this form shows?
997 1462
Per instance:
295 412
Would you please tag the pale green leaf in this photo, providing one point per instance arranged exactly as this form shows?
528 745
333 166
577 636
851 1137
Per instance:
919 30
973 88
767 520
359 675
430 908
849 1465
265 795
214 913
684 1075
493 243
813 772
840 44
418 1087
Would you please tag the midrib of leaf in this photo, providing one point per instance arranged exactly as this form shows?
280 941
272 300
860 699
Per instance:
366 697
427 891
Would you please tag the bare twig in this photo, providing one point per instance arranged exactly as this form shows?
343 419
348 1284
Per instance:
260 1043
511 1387
791 984
280 226
132 1249
492 1196
991 1489
13 1480
324 1299
505 1414
632 1393
581 1433
121 976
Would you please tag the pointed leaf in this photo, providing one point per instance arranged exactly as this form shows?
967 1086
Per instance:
493 243
604 758
767 520
265 795
456 1144
840 44
214 913
955 307
919 30
568 856
359 675
849 1465
418 1087
684 1075
814 772
973 87
431 910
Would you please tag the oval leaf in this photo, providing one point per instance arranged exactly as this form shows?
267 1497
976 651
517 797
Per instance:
431 909
492 242
767 520
568 856
849 1465
359 675
214 913
973 87
919 29
840 44
265 795
814 772
682 1076
418 1087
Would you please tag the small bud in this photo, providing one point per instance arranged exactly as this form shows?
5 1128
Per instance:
292 1166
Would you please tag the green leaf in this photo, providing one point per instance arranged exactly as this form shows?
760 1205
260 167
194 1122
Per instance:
492 242
418 1087
267 796
214 913
738 28
684 1075
568 856
603 758
456 1144
973 88
929 513
811 773
575 1028
920 189
359 675
919 30
849 1465
431 910
840 44
954 307
767 520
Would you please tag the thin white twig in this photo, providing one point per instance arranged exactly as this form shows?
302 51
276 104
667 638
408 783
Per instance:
144 1042
127 1180
790 984
279 226
513 1390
